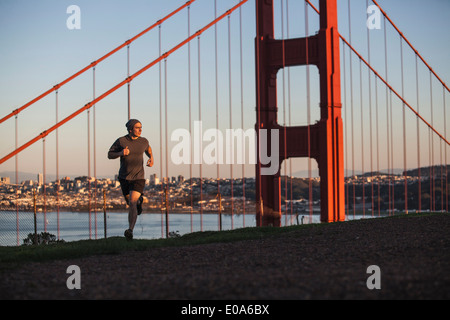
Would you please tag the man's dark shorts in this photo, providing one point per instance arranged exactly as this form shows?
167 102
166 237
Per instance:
132 185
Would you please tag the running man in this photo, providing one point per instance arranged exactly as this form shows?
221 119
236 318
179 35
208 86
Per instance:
130 149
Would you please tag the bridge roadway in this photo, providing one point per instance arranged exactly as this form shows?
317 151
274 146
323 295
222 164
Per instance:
319 262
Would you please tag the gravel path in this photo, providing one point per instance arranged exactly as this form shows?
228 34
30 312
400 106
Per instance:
321 262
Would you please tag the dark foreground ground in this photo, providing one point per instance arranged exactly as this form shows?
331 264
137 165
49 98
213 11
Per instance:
319 262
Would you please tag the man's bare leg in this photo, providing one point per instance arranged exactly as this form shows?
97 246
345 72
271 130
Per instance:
132 210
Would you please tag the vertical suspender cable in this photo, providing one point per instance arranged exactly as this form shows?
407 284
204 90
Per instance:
433 200
190 115
442 176
370 115
345 126
44 182
200 120
404 128
219 218
377 132
308 106
289 114
362 140
128 84
351 106
392 151
94 151
419 191
231 117
430 177
161 137
258 106
242 114
284 109
89 168
387 118
57 167
378 146
16 160
430 174
445 151
442 170
166 148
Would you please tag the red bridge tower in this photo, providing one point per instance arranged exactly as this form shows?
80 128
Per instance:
322 141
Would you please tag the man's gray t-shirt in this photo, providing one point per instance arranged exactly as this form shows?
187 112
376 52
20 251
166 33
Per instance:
132 165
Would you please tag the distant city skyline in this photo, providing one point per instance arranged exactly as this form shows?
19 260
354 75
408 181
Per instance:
41 50
26 176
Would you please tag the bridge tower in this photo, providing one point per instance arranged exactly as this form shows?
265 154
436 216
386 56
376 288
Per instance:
322 141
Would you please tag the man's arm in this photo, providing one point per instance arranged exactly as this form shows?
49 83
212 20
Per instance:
149 153
116 152
115 155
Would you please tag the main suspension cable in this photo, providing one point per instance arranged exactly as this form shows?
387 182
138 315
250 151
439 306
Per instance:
119 85
409 43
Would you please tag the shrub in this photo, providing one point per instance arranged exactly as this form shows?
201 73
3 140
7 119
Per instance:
41 238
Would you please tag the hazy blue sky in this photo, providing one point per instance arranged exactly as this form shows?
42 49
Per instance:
38 51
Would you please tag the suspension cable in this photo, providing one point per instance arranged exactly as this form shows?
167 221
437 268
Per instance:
44 184
391 90
94 152
231 117
289 113
411 46
190 118
378 145
119 85
385 81
219 218
445 149
161 134
351 112
57 167
258 122
388 141
283 49
370 117
362 139
16 160
418 141
200 119
404 128
128 84
442 176
242 114
308 108
432 147
396 93
54 88
345 125
166 148
89 168
430 126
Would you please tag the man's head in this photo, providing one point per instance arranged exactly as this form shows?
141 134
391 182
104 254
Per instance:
134 127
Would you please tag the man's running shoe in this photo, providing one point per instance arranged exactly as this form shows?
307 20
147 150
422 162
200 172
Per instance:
139 205
128 234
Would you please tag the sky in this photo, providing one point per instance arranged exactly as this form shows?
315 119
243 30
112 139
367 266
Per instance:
39 50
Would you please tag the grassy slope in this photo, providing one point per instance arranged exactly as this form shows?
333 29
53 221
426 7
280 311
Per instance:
13 256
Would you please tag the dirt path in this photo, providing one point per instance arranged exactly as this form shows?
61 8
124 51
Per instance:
322 262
